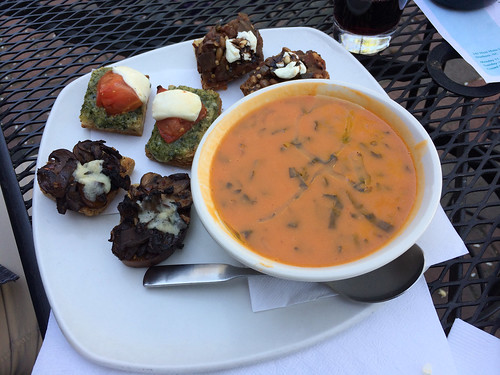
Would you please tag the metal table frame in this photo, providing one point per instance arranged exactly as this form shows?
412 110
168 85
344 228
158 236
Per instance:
44 45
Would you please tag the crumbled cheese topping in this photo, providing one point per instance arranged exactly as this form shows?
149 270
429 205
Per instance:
287 68
93 180
233 50
247 56
176 103
164 217
252 39
138 81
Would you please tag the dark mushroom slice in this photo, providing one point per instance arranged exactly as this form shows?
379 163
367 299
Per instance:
55 177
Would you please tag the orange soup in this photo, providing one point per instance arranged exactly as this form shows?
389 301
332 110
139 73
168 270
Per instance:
313 181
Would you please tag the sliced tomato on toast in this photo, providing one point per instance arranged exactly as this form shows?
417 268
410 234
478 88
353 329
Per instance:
115 95
172 128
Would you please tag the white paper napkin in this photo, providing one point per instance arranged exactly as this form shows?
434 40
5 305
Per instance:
372 347
440 242
474 351
403 336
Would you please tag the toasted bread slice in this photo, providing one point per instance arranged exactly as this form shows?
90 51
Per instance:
95 117
180 153
228 52
268 72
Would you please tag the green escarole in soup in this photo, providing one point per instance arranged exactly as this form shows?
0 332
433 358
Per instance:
313 181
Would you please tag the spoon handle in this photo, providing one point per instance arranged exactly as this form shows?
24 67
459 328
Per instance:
188 274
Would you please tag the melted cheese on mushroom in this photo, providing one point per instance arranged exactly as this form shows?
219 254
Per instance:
93 180
164 217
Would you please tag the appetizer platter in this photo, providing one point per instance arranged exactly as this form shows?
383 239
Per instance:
100 303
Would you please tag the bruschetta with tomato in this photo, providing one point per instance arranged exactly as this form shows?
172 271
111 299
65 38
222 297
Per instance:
182 116
116 100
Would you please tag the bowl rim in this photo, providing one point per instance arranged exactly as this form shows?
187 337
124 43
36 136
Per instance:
414 228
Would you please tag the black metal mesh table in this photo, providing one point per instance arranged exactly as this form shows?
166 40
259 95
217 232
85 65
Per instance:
46 44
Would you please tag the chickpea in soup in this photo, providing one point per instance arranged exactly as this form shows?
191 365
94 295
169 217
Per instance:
313 181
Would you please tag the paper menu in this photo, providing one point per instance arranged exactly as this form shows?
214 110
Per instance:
474 34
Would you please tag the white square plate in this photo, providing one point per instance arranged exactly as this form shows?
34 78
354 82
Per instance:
101 305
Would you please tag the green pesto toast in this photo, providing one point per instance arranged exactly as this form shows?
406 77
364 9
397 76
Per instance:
96 117
180 152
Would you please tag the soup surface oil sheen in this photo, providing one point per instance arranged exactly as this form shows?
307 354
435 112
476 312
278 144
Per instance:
313 181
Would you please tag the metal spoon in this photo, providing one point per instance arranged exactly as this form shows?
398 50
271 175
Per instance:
380 285
386 282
